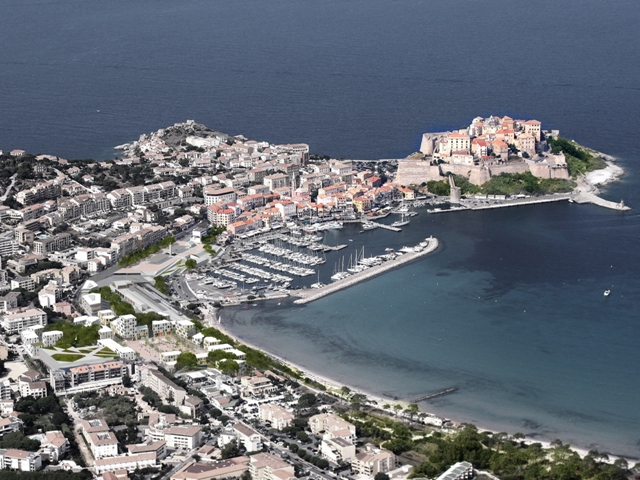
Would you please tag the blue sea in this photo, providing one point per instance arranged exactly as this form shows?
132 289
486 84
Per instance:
510 309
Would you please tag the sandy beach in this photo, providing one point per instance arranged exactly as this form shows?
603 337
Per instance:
324 380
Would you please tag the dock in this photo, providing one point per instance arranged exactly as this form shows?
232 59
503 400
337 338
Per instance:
434 395
307 296
387 227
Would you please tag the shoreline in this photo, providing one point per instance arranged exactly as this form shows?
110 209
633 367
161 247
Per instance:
379 400
315 376
604 176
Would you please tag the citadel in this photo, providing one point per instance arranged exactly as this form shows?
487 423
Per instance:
488 147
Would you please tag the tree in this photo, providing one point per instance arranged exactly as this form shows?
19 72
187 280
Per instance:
59 418
381 476
230 450
126 381
229 367
19 441
307 400
345 391
412 410
187 359
190 264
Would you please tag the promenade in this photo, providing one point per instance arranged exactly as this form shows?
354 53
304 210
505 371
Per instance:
307 296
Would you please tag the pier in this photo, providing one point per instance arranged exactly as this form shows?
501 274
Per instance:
434 395
387 227
308 296
586 197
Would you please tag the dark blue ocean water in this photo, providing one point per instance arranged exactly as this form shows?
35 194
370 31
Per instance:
510 309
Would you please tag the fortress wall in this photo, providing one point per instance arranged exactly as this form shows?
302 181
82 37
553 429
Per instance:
540 171
479 175
416 172
560 172
519 167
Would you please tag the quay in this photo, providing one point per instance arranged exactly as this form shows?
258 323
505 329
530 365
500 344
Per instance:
434 395
519 201
577 197
307 296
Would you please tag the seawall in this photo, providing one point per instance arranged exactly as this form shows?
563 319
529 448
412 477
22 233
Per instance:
315 294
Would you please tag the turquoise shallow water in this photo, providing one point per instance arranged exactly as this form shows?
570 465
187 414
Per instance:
505 311
364 79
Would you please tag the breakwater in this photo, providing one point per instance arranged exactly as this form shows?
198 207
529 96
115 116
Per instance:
521 201
435 395
315 294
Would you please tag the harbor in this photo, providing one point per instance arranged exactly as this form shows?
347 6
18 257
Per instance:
307 296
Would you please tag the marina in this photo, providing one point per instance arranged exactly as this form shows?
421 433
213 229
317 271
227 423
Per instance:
307 296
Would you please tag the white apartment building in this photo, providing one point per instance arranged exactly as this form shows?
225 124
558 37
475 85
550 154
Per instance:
373 461
129 463
53 445
124 352
185 328
13 459
105 332
170 357
210 341
164 387
265 466
103 444
30 341
277 181
50 338
214 195
330 423
338 450
161 327
125 326
106 316
248 437
16 322
91 303
183 437
276 415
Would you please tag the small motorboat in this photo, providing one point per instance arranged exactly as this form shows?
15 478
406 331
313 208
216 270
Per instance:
607 293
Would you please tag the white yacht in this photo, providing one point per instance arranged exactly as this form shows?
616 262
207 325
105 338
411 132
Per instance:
401 223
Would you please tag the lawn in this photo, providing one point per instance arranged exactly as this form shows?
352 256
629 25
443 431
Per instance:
67 357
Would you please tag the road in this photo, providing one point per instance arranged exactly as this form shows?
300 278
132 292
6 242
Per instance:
82 445
8 190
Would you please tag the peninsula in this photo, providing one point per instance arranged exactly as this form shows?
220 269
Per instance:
502 157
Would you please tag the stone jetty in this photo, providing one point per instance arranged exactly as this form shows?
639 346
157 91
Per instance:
314 294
